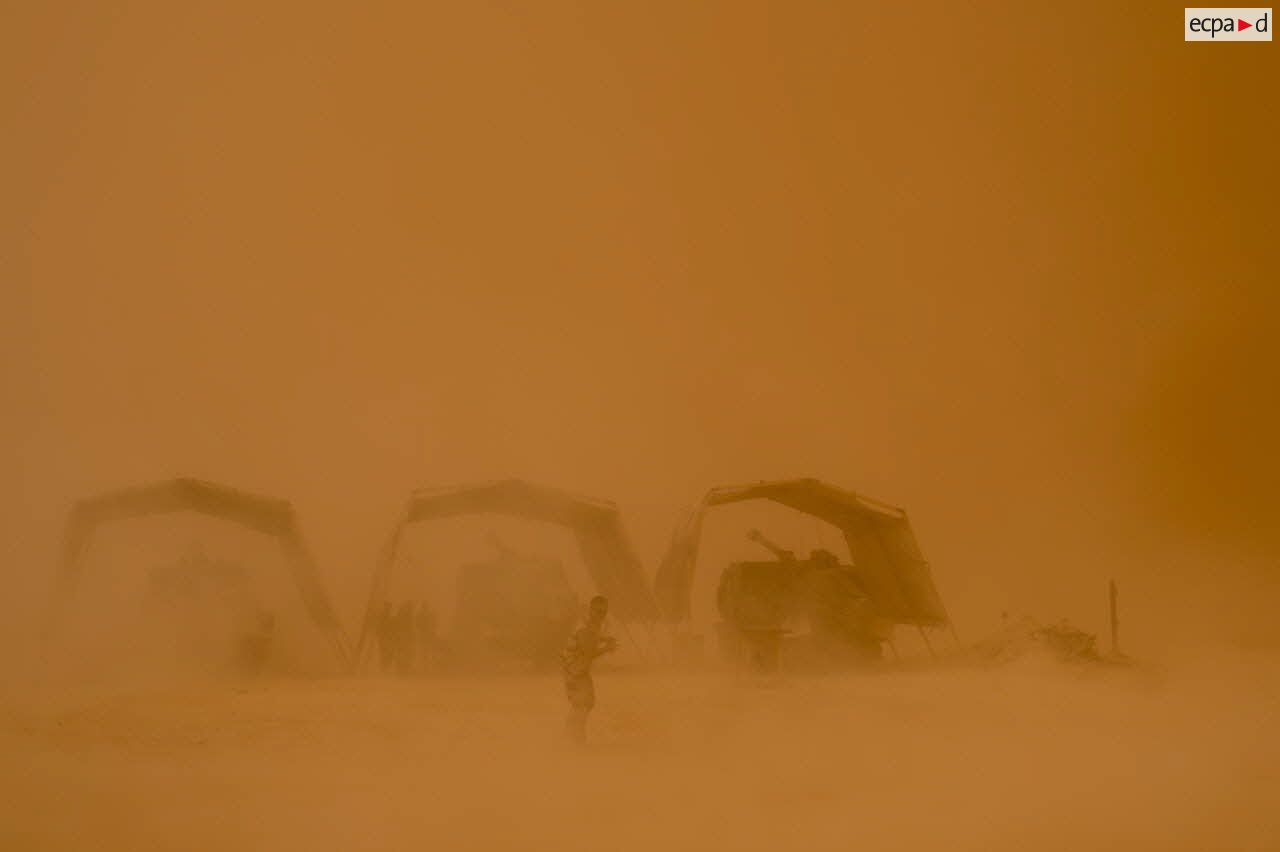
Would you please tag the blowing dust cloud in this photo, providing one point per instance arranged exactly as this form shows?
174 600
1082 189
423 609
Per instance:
734 427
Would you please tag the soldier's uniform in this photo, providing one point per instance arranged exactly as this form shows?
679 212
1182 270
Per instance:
584 646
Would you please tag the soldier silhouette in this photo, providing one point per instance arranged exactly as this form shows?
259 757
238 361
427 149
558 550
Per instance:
586 644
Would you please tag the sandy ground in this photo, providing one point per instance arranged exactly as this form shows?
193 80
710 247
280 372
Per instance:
1014 759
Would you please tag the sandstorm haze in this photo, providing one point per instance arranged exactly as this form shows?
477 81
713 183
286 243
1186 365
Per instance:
1008 267
1006 270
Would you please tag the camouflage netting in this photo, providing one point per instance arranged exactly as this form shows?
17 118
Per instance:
880 540
263 592
596 525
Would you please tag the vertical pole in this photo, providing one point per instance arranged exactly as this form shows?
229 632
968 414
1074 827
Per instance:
927 643
1115 620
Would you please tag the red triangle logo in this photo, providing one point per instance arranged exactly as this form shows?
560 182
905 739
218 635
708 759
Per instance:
1244 25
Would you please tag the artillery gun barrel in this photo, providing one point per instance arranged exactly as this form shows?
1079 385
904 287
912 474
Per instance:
780 552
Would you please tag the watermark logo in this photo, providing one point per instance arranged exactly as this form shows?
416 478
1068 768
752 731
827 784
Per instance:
1227 25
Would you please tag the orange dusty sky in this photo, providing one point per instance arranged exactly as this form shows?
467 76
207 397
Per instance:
1010 267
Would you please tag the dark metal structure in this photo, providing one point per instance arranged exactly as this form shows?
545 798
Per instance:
596 524
880 539
266 515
